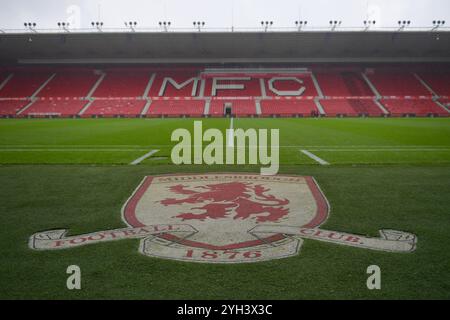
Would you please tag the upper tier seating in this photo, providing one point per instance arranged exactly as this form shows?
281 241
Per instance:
350 107
345 84
252 88
124 84
418 107
438 81
63 108
69 84
111 108
11 107
23 84
170 90
289 85
288 107
3 76
176 108
242 107
398 84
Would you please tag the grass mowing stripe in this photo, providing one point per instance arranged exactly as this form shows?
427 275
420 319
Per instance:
314 157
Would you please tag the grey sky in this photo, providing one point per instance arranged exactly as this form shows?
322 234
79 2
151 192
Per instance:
218 14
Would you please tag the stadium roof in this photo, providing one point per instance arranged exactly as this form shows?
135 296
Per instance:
224 47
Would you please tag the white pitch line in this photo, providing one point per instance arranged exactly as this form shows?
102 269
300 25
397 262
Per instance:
67 150
379 150
145 156
314 157
231 134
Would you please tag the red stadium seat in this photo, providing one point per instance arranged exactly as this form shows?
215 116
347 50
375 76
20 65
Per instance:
343 84
60 108
350 107
177 108
239 107
123 84
288 107
24 84
69 84
438 81
112 108
398 84
11 107
418 107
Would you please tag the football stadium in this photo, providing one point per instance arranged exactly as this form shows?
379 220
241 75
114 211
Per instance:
290 160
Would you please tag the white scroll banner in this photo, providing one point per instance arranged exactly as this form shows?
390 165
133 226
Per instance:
389 240
56 239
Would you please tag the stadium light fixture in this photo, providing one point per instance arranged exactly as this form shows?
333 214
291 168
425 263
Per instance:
403 24
97 24
30 26
165 25
64 26
334 24
437 24
131 24
368 24
266 25
300 24
199 25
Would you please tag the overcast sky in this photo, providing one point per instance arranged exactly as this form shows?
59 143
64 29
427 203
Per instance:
223 13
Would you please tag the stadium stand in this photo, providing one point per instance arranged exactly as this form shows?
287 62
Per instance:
438 81
251 88
162 86
176 108
184 91
310 89
24 84
416 107
114 108
69 84
239 107
11 107
283 107
343 84
350 107
397 84
122 84
58 108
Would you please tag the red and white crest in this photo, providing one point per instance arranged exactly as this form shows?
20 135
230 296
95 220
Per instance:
225 218
224 208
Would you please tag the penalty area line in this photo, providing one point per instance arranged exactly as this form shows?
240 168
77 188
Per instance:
314 157
145 156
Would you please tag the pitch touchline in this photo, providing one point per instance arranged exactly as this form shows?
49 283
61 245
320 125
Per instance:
145 156
66 150
314 157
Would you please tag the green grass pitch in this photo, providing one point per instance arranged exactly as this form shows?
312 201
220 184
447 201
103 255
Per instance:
75 174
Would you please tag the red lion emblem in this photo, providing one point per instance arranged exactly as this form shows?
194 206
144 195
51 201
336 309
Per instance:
222 198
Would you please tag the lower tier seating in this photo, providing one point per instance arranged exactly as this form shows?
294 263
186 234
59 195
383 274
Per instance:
418 107
176 108
11 107
350 107
113 108
288 108
62 108
243 108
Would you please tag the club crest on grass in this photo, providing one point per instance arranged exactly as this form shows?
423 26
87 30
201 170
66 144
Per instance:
226 218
